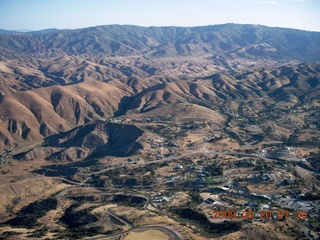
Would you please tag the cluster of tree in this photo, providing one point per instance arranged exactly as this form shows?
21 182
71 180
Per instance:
131 201
8 234
234 135
311 196
293 141
195 197
207 228
214 169
28 215
79 233
39 232
314 160
74 218
263 166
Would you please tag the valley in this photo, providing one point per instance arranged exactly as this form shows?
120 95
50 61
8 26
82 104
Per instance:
124 132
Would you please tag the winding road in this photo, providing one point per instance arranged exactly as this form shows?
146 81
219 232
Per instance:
164 228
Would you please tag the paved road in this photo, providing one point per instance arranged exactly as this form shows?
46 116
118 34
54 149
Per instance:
163 228
110 211
124 221
167 159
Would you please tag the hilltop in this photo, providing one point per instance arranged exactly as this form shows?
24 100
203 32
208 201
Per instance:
222 41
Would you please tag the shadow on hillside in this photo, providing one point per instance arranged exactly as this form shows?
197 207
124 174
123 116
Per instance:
65 170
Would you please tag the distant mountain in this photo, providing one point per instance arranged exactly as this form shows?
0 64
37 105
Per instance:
24 30
228 40
60 81
2 31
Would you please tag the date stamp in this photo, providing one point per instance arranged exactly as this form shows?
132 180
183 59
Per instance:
262 214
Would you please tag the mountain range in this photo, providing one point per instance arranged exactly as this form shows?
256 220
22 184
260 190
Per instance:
54 82
229 40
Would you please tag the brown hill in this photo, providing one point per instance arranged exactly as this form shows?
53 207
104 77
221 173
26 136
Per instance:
97 139
227 40
183 111
54 81
29 116
32 115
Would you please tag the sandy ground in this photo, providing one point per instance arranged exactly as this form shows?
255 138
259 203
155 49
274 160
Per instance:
145 235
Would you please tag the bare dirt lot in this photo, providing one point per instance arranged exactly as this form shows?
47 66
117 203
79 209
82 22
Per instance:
147 234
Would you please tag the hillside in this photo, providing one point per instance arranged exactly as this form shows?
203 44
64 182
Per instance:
35 114
32 115
96 139
52 81
228 40
115 131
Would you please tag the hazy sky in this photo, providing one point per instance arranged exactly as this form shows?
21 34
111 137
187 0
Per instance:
42 14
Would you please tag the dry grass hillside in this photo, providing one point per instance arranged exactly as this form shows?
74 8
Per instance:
116 128
35 114
31 115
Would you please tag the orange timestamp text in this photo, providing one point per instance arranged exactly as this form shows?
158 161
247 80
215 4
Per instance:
249 214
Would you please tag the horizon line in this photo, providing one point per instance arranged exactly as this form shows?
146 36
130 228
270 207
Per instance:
152 26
